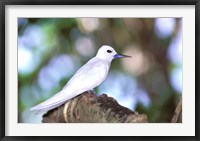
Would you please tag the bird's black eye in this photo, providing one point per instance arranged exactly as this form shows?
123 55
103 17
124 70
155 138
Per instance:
109 51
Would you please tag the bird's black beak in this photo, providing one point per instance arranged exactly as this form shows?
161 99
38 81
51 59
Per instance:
121 56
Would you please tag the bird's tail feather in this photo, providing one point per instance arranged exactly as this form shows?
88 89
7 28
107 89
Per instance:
53 102
44 110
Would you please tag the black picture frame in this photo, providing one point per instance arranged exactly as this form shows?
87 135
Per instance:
3 4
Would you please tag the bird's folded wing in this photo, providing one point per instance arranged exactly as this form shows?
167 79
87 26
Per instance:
89 76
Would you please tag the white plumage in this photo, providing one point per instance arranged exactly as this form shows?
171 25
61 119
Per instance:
89 76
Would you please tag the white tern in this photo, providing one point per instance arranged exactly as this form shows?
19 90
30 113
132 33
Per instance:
89 76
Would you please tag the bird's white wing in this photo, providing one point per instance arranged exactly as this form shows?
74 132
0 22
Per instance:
86 78
90 75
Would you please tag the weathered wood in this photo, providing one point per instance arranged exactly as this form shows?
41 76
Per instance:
89 108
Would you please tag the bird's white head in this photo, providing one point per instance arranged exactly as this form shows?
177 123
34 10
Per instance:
108 53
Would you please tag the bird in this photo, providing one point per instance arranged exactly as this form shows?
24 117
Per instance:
89 76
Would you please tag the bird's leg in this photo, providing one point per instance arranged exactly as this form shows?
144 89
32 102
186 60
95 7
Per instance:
91 91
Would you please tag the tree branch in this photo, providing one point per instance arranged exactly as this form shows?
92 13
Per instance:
89 108
177 111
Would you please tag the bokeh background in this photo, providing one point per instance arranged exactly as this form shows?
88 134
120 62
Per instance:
50 50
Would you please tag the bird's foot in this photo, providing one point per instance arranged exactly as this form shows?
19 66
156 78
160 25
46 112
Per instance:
91 92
